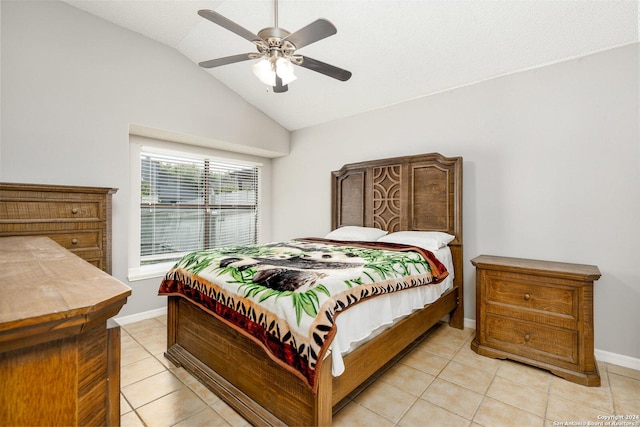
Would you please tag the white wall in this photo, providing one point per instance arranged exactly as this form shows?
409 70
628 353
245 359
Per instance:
551 171
551 156
72 84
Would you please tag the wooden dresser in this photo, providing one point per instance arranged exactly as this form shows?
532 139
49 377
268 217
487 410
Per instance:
539 313
59 360
78 218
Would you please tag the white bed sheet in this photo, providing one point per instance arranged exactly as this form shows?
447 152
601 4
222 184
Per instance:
364 321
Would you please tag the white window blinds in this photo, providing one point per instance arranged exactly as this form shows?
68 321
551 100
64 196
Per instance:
189 204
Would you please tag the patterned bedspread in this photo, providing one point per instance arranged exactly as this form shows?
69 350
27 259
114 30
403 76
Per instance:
286 295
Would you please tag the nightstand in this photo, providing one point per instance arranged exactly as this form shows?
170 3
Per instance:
539 313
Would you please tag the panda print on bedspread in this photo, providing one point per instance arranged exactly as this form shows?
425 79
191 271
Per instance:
294 267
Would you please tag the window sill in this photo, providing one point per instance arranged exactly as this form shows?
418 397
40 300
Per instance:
152 271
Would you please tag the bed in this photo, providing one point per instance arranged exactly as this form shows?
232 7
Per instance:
412 193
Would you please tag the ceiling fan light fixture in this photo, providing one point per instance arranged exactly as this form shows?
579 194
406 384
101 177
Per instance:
263 69
266 70
284 70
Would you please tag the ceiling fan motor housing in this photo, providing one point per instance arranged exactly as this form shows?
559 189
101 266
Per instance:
273 42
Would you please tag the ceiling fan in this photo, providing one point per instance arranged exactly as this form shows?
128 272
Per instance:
277 50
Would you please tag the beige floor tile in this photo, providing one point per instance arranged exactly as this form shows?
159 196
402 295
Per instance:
626 394
596 397
131 419
519 395
424 361
525 374
229 415
406 378
196 386
131 351
424 413
494 413
142 327
621 384
171 408
470 358
604 374
355 415
386 400
514 395
154 341
563 410
440 346
453 335
140 370
621 370
205 418
453 398
166 362
465 376
151 388
162 319
124 405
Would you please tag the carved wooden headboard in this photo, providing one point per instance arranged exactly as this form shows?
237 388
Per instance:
422 193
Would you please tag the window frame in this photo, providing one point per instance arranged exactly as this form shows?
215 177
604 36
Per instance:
137 270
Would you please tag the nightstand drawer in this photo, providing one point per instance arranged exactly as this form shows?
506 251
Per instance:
530 339
537 312
524 292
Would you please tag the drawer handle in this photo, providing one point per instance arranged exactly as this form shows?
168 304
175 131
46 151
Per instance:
527 297
74 241
74 211
527 337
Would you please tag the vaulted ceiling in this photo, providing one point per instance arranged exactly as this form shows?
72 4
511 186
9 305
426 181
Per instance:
397 50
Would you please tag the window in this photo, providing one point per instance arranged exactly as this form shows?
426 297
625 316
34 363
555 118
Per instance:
190 203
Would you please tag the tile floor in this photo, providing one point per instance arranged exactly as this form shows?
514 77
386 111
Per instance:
441 382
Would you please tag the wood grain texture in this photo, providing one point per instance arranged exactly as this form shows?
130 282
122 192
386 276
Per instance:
537 312
78 218
54 347
394 194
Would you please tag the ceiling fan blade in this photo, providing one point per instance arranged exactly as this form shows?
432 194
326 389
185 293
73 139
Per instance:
279 87
216 18
317 30
226 60
326 69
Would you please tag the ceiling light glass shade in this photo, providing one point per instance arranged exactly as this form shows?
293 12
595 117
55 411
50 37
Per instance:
284 70
263 70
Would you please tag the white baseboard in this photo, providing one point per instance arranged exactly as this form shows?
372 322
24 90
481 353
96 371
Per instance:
469 323
132 318
618 359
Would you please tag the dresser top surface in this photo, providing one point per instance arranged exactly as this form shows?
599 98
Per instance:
15 186
42 282
539 267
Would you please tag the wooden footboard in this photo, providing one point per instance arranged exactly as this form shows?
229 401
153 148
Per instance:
239 371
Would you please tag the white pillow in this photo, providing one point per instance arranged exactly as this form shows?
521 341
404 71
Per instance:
355 233
429 240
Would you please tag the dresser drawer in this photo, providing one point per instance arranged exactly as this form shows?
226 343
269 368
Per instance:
530 298
76 241
532 340
77 218
34 211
